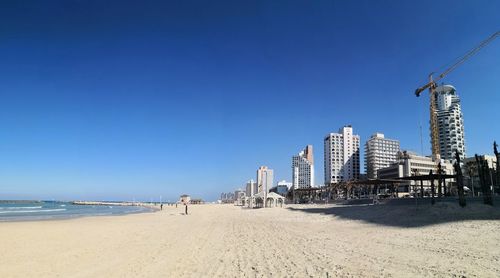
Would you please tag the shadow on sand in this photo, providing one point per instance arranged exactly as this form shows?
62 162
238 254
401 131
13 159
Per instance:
405 212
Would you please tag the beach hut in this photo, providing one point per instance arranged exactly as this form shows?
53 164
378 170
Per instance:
185 199
274 200
268 200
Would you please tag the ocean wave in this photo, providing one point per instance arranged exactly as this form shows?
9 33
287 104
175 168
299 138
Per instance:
32 211
13 208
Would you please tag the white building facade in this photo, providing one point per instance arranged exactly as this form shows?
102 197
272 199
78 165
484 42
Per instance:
450 122
251 188
410 164
341 156
380 152
264 179
303 169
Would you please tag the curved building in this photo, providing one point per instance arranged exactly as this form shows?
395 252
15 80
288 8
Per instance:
450 122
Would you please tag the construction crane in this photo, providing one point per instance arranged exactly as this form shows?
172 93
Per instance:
432 86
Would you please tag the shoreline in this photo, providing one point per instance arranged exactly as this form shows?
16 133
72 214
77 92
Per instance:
74 217
36 217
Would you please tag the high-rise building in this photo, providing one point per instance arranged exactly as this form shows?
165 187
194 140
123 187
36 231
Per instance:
341 156
303 168
264 179
227 197
380 152
251 188
450 122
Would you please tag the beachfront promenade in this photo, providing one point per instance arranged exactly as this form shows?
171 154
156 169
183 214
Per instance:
230 241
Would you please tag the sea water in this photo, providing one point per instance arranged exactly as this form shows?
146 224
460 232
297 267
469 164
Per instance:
44 210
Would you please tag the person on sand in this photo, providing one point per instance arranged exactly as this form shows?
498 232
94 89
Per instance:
186 209
161 206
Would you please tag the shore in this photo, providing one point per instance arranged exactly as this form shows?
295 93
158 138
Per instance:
228 241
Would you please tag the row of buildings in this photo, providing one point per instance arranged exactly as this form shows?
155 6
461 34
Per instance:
259 192
384 158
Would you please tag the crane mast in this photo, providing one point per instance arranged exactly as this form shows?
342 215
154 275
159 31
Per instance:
434 121
436 153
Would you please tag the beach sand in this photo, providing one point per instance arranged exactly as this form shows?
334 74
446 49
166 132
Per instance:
228 241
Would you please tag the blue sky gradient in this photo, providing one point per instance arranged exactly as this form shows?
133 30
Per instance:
127 99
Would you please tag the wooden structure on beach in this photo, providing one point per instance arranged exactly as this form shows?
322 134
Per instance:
197 201
372 188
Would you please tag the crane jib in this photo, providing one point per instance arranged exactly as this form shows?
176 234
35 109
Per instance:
432 85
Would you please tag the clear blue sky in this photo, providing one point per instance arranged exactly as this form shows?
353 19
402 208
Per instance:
124 99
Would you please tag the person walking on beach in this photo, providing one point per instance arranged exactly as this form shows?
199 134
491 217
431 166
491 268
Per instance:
161 206
186 209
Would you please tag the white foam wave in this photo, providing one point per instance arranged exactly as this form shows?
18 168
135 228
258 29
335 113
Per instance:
14 208
31 211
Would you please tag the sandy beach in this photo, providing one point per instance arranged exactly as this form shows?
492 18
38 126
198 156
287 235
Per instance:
228 241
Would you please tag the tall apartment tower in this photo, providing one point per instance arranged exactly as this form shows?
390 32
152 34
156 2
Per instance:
264 179
450 122
380 153
251 188
303 169
341 156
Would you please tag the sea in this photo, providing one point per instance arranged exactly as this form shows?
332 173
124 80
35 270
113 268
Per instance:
47 210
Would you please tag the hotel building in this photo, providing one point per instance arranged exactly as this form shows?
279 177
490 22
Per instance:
341 156
303 169
251 188
264 179
380 152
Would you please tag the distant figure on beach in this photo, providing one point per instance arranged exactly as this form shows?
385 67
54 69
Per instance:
186 209
161 206
175 205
